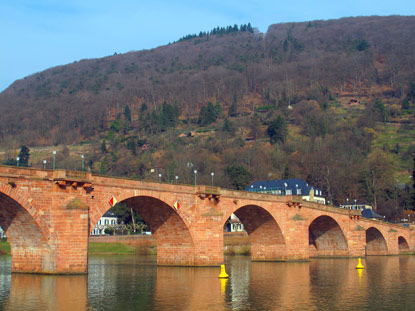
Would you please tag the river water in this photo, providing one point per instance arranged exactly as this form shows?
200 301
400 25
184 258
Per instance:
136 283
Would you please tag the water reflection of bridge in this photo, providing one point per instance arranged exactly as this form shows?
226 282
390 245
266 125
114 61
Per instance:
119 284
48 215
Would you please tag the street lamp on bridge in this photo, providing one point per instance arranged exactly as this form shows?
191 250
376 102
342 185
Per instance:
54 158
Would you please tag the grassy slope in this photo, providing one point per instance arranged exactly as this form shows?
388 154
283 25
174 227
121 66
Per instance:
94 248
110 248
4 248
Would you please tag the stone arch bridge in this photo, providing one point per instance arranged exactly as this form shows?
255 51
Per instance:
48 216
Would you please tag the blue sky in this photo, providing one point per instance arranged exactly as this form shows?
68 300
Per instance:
39 34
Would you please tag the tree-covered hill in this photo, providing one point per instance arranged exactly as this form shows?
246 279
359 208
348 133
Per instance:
331 102
321 60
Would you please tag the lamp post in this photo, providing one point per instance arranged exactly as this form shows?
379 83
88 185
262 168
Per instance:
17 161
177 178
195 172
82 157
54 158
212 174
160 177
44 164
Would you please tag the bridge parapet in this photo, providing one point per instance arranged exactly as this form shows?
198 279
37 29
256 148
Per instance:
353 214
80 176
24 172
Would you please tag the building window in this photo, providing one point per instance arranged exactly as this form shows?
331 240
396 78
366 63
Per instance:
288 192
107 221
113 222
298 191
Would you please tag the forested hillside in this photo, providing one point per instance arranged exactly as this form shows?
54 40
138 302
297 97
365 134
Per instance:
331 102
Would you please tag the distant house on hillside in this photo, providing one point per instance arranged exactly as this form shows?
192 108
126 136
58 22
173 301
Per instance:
356 206
234 224
2 235
288 187
369 213
106 221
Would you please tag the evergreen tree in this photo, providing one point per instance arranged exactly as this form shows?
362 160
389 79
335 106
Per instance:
381 109
202 116
127 113
104 147
143 111
249 28
24 156
238 175
208 114
277 130
131 146
227 126
233 109
405 104
115 125
218 109
123 213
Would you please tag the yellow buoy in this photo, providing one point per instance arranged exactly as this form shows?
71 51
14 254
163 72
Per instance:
359 272
223 274
359 265
223 283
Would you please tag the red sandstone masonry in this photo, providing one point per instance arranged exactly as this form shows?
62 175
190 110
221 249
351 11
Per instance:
48 216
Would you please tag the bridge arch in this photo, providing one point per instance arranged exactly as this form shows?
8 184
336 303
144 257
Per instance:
25 232
375 242
265 235
326 238
403 245
173 237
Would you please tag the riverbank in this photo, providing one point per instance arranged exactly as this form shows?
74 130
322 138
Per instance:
95 248
235 243
4 248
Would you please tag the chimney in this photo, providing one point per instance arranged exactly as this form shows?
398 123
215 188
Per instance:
311 194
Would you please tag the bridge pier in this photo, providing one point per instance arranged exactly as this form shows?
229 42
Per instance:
202 245
356 238
63 251
297 244
208 241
